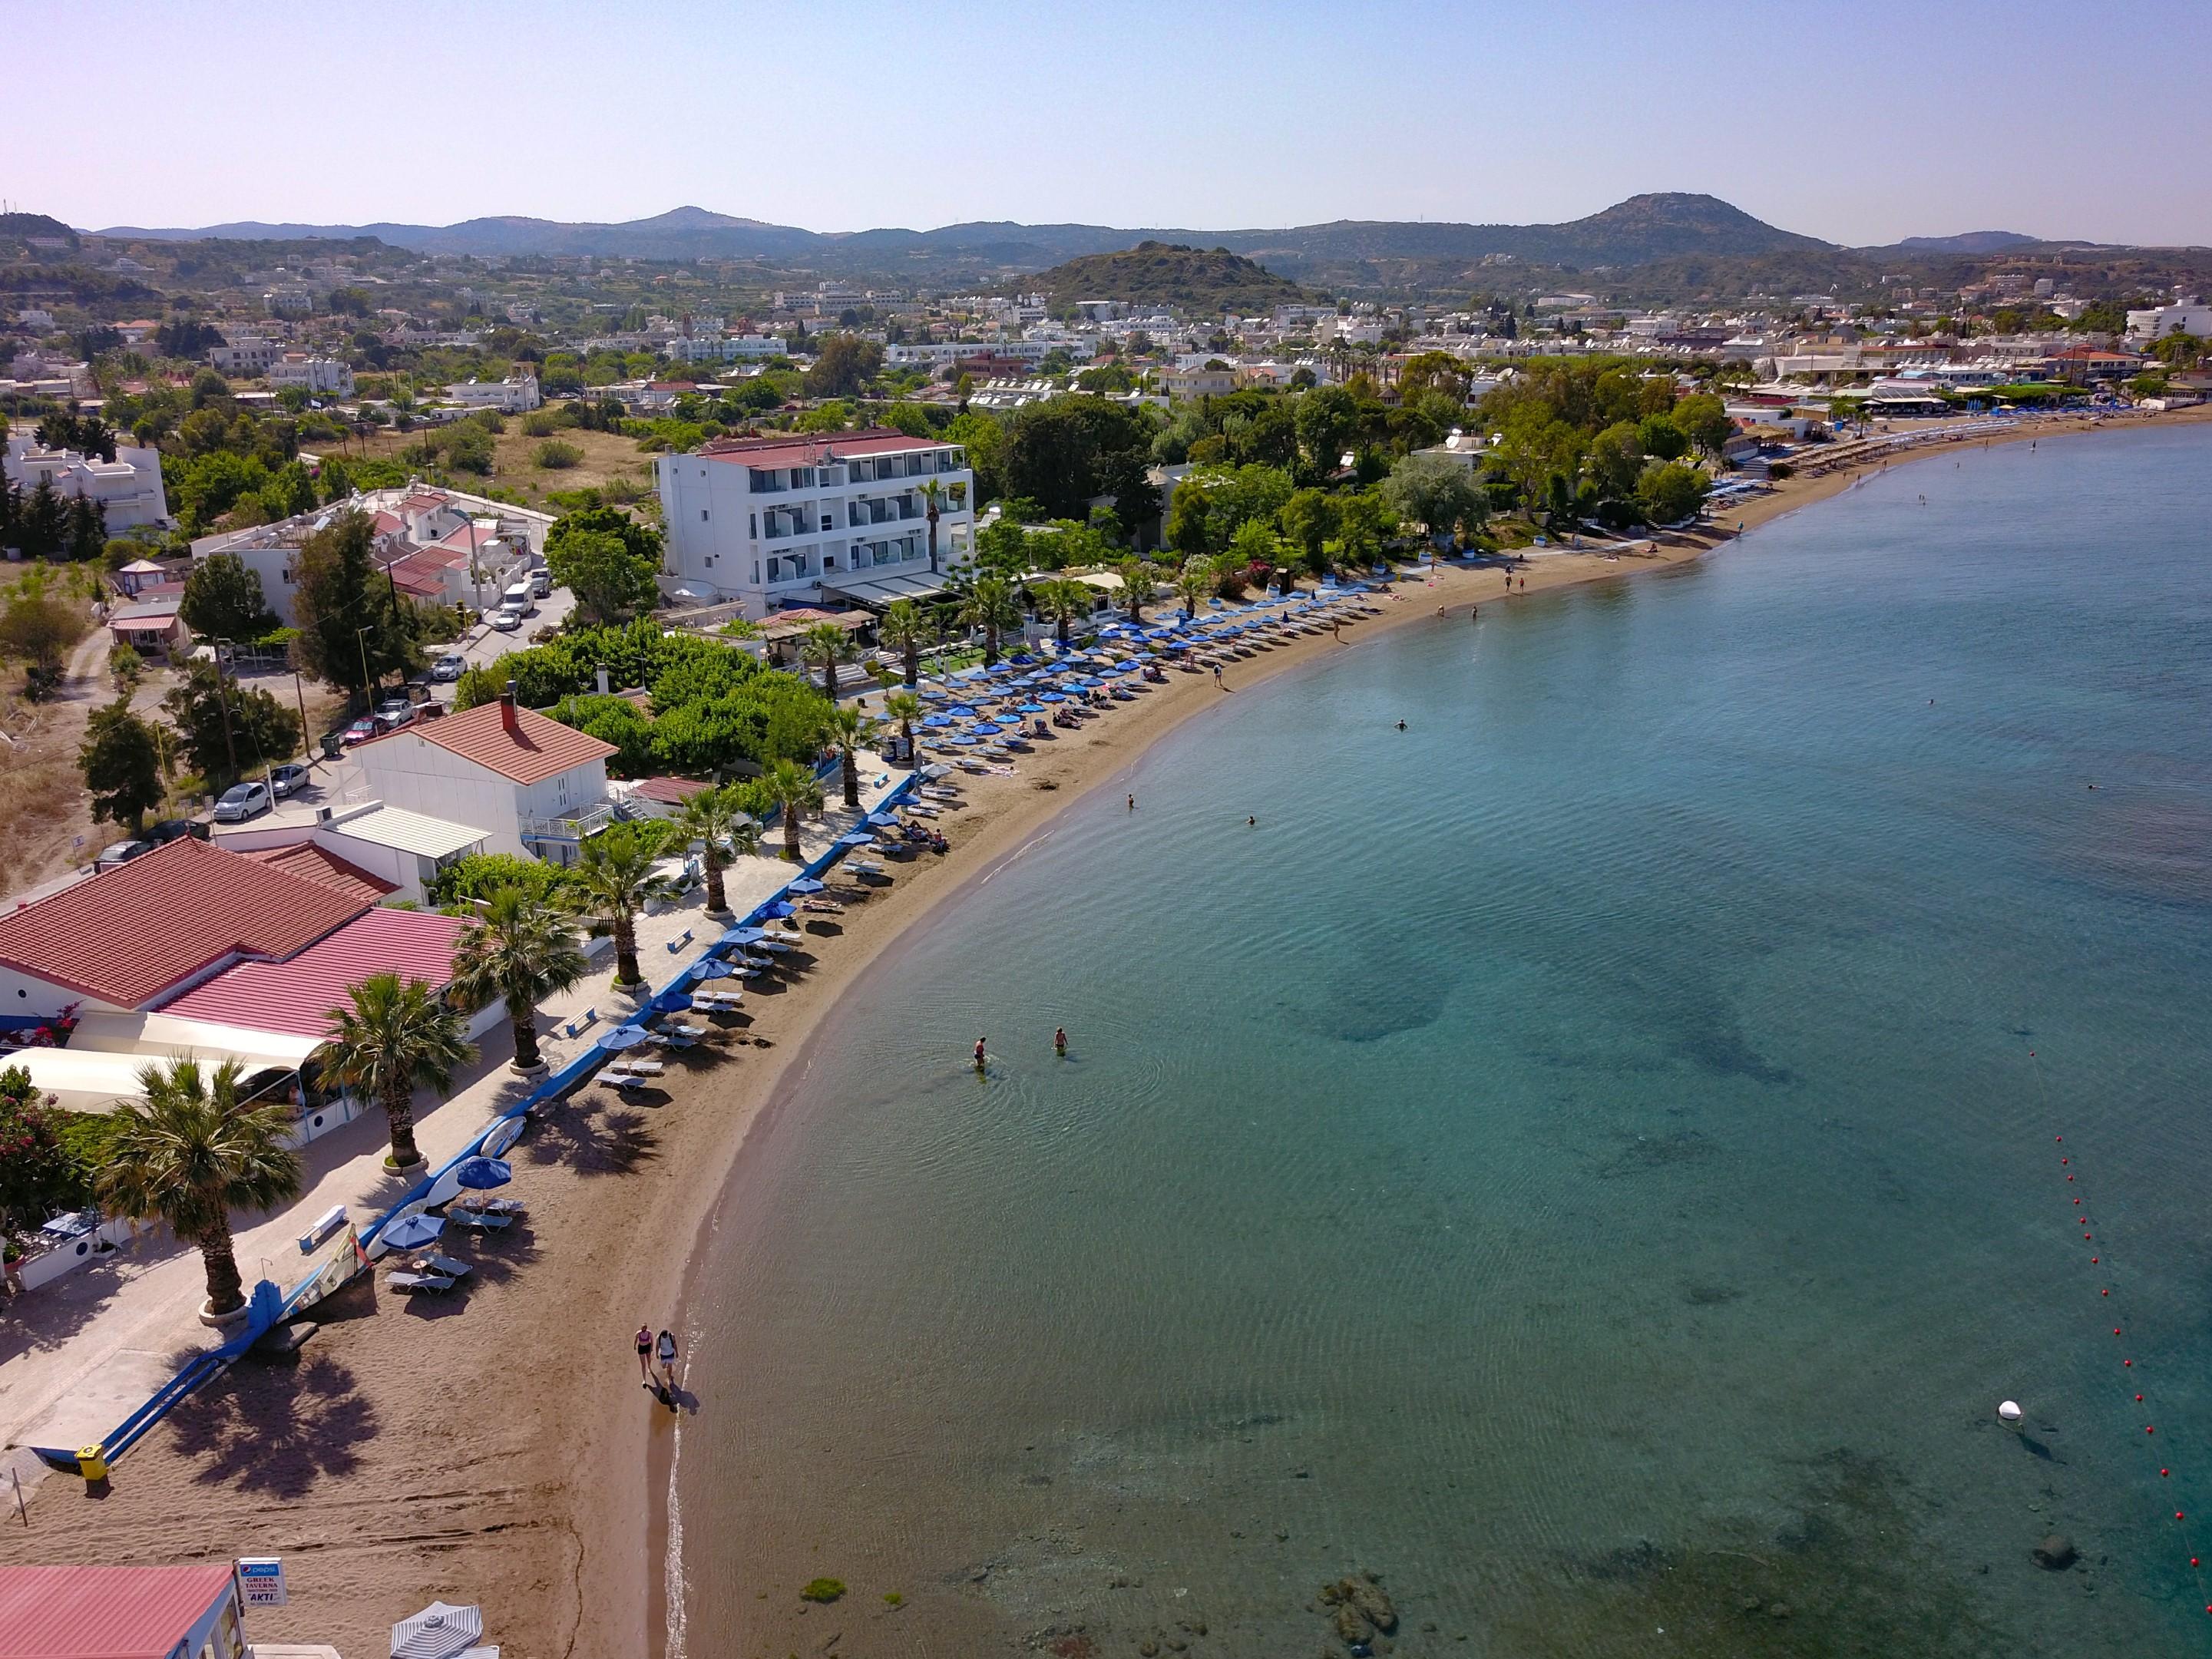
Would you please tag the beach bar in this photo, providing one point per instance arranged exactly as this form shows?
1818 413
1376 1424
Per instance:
121 1612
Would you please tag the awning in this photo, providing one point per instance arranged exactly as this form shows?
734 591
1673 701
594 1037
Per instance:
161 1034
878 592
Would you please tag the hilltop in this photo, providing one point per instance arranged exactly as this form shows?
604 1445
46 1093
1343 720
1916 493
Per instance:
1167 274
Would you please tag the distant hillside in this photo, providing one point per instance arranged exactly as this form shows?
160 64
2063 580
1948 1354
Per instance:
1968 241
16 227
1167 274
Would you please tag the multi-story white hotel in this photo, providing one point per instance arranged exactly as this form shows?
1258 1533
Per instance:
782 521
320 375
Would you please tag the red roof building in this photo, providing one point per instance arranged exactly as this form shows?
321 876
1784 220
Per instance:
519 744
120 1613
316 863
297 995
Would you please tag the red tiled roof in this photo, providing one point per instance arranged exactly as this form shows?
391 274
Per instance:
130 933
305 858
386 523
670 792
807 452
104 1613
533 750
297 996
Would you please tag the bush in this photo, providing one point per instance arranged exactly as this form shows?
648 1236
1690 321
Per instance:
823 1589
542 423
481 874
554 456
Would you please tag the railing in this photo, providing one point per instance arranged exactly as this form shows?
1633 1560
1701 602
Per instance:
576 826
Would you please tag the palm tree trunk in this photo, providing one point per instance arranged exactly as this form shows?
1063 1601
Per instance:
830 678
852 779
791 832
1060 630
627 971
226 1288
524 1020
400 1113
717 901
913 663
933 548
990 647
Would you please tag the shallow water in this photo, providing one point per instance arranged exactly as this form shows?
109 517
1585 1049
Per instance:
1578 1158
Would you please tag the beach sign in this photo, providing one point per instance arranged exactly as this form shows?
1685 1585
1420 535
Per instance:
261 1581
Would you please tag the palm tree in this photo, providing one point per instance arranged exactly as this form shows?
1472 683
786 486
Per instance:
191 1153
392 1037
714 816
906 708
932 493
826 645
1064 601
796 791
520 951
1194 582
904 630
1136 576
854 729
611 884
989 606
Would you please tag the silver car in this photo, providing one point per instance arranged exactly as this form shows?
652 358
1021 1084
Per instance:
242 801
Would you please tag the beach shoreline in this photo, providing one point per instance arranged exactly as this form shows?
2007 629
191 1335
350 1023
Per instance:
539 1493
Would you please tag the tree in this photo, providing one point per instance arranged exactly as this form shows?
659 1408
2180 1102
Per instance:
613 882
611 583
905 708
794 790
1704 419
989 605
125 667
904 630
519 951
1328 421
852 730
1616 457
1310 519
717 820
1003 549
338 593
844 365
391 1037
122 765
228 730
1062 452
1066 600
40 629
825 645
1193 583
36 1170
190 1153
1136 576
1670 491
1435 492
223 600
87 435
42 523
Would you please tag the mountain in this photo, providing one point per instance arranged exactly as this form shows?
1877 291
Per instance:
1970 241
1168 273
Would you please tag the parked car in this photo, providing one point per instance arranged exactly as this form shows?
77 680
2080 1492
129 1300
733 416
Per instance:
288 780
361 731
242 801
391 719
400 704
169 830
120 853
449 667
541 583
505 620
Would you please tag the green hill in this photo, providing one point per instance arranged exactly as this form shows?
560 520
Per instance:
1167 273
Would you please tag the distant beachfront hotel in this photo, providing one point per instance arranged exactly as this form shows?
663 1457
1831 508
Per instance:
773 523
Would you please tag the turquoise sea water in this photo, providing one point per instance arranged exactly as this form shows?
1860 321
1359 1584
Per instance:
1578 1158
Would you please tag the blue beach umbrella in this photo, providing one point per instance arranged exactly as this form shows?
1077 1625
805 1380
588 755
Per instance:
1031 708
937 722
779 911
624 1036
804 885
483 1173
412 1232
985 729
961 742
963 711
673 1002
711 968
860 837
740 937
1052 697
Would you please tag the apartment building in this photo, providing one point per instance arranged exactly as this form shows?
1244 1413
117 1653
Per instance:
516 395
774 522
323 376
246 355
128 487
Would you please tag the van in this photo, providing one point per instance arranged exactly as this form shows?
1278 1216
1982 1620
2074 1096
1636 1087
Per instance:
517 599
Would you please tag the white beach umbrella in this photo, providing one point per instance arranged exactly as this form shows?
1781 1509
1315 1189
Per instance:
440 1631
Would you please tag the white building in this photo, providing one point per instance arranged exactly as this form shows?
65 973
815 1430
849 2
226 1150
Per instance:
288 302
781 521
938 354
532 785
316 374
726 348
128 487
2189 316
246 355
516 395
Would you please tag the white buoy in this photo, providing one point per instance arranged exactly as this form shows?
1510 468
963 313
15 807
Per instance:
2008 1414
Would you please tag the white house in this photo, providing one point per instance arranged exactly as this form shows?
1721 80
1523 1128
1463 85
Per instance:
516 395
289 301
725 349
781 521
393 849
128 487
316 374
246 355
530 784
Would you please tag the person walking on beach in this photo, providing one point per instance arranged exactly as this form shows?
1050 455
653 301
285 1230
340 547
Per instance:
1060 1041
645 1353
664 1351
1217 678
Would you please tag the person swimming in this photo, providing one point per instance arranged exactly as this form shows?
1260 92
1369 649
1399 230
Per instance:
1401 726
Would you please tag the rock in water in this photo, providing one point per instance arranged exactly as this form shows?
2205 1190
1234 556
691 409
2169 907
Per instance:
1349 1625
1367 1595
2055 1552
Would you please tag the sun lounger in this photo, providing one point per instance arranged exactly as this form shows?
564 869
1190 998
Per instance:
441 1265
640 1066
858 867
414 1282
624 1080
685 1029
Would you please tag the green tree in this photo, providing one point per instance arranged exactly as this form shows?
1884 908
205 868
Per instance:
1670 491
520 951
844 366
223 600
854 731
794 791
612 583
36 1171
1328 420
1704 419
190 1153
1136 576
1195 584
40 629
391 1037
1435 492
613 882
989 606
906 708
122 765
1066 450
1308 519
478 684
337 590
125 667
1003 549
1616 457
229 730
718 821
825 645
1066 601
905 630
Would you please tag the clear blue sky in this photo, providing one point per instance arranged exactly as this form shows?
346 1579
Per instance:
1860 123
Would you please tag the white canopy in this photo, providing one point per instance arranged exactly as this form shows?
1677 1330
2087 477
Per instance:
107 1051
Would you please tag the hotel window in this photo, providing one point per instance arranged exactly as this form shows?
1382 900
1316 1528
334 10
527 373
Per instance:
827 522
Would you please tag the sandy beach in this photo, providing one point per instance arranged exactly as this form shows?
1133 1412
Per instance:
497 1448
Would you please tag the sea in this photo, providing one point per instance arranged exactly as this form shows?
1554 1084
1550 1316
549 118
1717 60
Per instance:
1594 1159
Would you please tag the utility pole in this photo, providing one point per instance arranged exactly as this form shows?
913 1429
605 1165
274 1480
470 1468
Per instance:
223 700
368 688
299 690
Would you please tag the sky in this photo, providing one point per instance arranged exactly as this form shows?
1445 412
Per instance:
1859 122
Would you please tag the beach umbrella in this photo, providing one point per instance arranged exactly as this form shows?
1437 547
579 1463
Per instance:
740 937
882 819
937 722
1089 682
483 1173
985 729
674 1002
779 911
934 770
440 1631
711 968
624 1036
1031 708
804 885
861 837
962 742
412 1232
962 711
1052 697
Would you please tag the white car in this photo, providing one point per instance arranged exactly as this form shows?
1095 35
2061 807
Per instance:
242 801
504 620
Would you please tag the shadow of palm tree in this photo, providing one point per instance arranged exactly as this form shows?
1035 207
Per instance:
590 1134
277 1433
